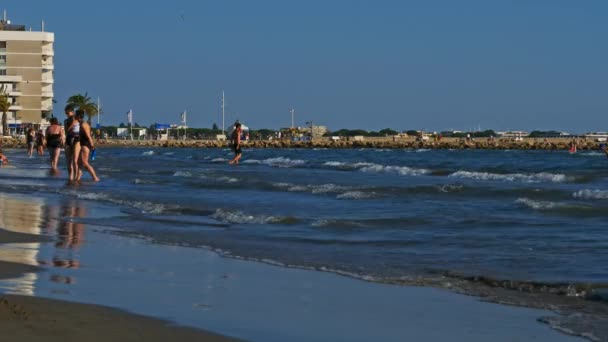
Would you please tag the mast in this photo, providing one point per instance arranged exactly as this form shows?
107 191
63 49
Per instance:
223 107
292 111
98 111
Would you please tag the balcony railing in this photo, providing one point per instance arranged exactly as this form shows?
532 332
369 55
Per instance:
48 51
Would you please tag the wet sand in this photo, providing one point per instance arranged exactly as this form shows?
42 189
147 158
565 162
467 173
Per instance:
25 318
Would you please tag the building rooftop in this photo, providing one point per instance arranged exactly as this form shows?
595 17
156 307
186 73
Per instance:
9 27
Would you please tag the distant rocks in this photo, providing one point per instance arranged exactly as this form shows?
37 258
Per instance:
377 143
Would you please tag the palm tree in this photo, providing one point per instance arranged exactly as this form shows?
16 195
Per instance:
5 104
84 103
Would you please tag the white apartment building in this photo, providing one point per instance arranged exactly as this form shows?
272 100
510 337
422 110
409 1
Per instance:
26 73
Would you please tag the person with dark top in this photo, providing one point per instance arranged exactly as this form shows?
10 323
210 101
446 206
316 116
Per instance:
54 139
40 142
236 143
31 135
67 123
73 141
87 146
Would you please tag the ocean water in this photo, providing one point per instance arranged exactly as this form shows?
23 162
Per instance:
411 216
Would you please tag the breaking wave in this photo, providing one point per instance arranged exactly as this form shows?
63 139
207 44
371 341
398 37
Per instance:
591 194
512 177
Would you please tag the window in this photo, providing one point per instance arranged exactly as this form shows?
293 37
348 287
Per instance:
2 60
2 72
2 45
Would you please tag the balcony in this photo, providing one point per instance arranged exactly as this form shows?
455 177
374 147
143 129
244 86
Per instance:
47 94
47 79
48 66
15 106
14 92
48 51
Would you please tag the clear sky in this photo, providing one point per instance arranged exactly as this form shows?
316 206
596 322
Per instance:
426 64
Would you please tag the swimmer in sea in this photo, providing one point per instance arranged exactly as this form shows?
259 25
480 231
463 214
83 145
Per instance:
3 159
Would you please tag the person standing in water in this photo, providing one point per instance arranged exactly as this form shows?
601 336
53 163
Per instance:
31 135
236 143
40 142
86 145
74 136
67 123
54 139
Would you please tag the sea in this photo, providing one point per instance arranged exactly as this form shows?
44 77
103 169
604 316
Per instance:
514 219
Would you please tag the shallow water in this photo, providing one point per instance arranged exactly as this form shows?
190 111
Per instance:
381 215
518 215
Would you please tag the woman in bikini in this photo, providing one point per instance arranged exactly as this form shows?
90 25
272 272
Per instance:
86 146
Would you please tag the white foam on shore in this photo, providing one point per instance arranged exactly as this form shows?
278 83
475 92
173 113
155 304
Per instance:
144 206
283 162
512 177
356 195
377 168
182 174
591 194
228 179
148 153
219 160
276 162
239 217
401 170
538 205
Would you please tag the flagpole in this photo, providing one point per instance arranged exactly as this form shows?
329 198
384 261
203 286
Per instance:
98 111
223 106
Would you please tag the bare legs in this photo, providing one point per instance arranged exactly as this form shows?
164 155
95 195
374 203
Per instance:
236 159
54 152
84 162
75 155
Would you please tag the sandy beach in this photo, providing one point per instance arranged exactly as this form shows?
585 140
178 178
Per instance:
25 318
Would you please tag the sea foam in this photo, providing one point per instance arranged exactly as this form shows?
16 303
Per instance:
512 177
591 194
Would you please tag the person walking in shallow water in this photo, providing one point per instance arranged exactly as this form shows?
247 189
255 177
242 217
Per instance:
86 147
54 139
30 137
236 143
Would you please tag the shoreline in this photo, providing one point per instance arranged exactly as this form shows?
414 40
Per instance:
245 290
550 144
26 318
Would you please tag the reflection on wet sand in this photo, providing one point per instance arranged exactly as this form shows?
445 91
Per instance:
34 216
21 216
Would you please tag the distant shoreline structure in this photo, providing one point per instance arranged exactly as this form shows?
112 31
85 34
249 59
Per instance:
376 142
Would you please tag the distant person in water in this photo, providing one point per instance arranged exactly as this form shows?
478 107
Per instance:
29 138
86 147
236 143
604 147
3 159
55 138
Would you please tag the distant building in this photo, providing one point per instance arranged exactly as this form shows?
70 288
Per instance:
26 72
513 134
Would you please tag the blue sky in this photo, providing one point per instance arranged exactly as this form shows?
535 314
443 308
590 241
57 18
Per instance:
427 64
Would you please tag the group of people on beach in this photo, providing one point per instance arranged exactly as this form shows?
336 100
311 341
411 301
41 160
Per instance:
77 141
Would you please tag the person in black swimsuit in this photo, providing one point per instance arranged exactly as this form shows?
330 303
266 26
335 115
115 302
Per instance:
87 146
54 139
